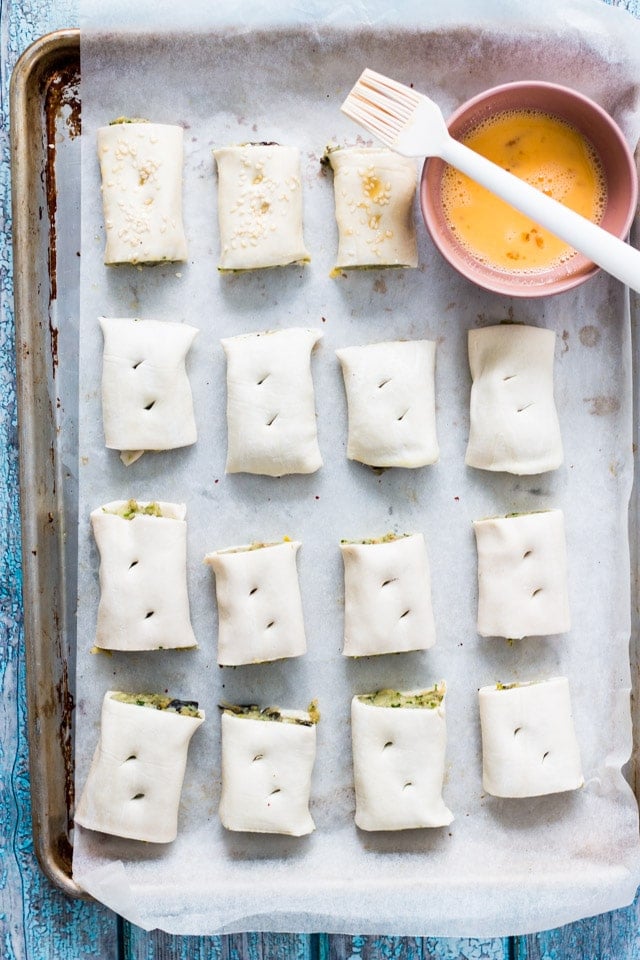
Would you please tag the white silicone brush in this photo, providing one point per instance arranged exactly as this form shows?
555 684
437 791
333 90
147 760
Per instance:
412 124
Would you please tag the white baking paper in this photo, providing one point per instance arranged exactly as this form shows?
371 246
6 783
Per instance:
504 866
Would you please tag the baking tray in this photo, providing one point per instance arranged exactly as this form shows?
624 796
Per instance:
45 107
45 170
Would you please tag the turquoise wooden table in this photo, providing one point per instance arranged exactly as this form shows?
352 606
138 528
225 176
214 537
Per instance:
36 920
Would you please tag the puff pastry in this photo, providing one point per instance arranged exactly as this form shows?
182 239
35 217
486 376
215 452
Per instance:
391 401
387 596
259 206
529 746
144 603
374 191
522 575
271 416
135 780
141 170
146 395
259 604
267 761
514 424
399 742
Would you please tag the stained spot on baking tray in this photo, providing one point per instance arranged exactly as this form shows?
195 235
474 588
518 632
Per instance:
601 406
380 286
589 336
565 341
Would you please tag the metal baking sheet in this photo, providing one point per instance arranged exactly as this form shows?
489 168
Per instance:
45 114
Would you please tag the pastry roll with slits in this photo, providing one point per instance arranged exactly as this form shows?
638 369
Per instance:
259 206
135 780
391 400
399 742
514 424
387 596
271 417
146 395
267 762
529 746
141 169
259 604
374 191
522 575
144 603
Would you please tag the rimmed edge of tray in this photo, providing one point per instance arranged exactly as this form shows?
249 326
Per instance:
39 75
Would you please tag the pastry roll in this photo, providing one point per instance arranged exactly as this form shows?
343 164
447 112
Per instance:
399 742
267 761
387 596
522 575
391 400
514 424
259 206
529 746
271 415
135 780
259 603
141 170
374 191
146 395
143 578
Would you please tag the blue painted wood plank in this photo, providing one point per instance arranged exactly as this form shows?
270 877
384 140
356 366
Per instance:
609 936
412 948
37 922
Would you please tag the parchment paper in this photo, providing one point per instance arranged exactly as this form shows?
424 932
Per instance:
504 866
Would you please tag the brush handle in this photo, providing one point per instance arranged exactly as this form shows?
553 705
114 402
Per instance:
615 256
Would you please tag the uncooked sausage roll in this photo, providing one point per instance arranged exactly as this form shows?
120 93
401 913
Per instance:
374 190
271 417
391 400
522 575
399 742
141 169
259 603
529 746
387 596
135 780
259 206
144 603
146 395
514 424
267 761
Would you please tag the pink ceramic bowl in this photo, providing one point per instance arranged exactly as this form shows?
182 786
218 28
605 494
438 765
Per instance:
594 124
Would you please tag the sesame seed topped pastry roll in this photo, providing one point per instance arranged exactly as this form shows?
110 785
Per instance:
387 596
391 400
522 575
144 603
399 742
259 604
267 762
374 190
271 417
141 170
514 424
529 746
259 206
146 396
135 780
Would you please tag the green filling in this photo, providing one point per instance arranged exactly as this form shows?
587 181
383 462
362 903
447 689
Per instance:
159 701
425 699
132 509
388 538
251 711
118 120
